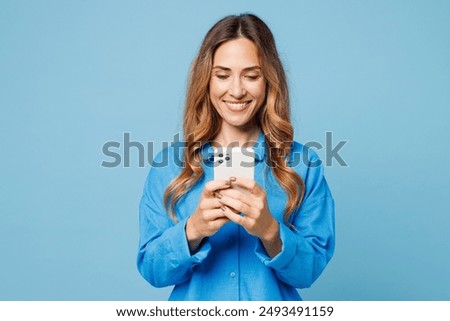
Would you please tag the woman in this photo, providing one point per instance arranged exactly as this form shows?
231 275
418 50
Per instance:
215 242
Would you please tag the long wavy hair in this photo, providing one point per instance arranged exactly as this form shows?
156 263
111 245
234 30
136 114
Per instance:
202 123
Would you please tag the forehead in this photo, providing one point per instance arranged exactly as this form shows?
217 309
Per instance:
237 53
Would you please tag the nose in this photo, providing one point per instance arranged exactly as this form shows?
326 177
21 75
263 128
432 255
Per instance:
237 89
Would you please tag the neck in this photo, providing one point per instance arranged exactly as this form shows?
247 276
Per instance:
232 136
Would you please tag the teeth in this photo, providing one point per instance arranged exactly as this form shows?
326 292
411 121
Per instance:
236 105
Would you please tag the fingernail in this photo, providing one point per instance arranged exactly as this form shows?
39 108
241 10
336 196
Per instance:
228 182
218 195
232 179
223 208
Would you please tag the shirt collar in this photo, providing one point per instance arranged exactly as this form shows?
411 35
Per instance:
259 148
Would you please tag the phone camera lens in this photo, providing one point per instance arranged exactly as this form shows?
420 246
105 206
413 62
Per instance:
227 158
220 155
220 161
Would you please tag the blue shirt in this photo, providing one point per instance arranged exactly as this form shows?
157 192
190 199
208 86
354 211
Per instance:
232 264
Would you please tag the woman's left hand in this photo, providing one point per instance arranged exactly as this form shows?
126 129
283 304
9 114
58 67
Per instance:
256 219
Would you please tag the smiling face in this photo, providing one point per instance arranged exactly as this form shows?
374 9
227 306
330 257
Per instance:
237 86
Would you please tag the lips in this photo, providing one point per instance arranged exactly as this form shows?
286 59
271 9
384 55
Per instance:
237 105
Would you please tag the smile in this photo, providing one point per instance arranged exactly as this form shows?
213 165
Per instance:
237 105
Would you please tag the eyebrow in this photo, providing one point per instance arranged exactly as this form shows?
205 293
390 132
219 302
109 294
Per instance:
245 69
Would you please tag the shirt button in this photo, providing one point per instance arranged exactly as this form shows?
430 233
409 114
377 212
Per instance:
232 274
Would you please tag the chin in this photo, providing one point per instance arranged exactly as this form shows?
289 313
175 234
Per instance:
242 125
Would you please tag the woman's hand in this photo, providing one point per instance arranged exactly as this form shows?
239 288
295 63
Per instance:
208 218
257 219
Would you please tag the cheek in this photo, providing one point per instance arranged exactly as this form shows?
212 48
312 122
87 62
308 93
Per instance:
214 96
259 91
216 90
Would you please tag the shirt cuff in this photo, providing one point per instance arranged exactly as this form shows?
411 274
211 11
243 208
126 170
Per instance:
179 244
287 254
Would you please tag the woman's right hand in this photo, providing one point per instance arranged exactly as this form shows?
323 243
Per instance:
208 218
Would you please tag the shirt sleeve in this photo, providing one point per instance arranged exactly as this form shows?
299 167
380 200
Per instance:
309 245
163 258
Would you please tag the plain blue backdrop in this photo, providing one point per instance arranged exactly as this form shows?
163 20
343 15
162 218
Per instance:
77 74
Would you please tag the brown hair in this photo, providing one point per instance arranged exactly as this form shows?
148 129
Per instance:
202 123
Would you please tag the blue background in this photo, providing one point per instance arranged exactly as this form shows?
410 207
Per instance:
77 74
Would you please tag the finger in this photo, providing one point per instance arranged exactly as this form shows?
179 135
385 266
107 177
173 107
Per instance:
248 184
217 224
208 203
237 205
214 214
236 218
254 202
218 195
215 185
237 194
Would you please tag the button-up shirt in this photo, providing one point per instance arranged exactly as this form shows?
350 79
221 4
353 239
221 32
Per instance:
232 264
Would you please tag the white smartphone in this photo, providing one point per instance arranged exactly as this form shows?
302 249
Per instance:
234 161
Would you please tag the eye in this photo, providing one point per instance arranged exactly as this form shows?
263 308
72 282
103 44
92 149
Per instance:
252 77
222 76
